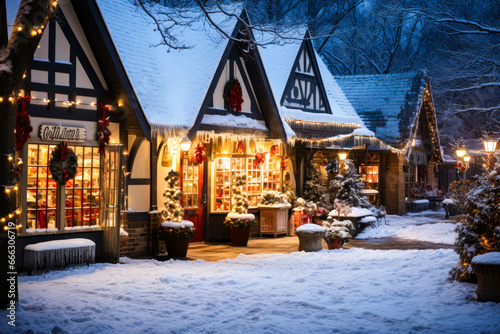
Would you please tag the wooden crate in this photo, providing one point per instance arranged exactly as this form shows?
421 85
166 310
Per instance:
274 220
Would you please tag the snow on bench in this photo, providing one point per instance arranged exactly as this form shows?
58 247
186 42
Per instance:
368 220
58 254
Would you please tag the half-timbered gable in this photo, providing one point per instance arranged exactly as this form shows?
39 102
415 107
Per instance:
304 89
310 101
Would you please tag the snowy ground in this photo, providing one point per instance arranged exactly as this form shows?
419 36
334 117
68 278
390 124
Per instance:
423 226
339 291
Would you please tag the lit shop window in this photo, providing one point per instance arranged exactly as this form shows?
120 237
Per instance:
41 195
190 184
262 178
369 175
82 193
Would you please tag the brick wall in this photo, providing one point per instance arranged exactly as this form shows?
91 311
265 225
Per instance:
136 244
395 185
432 179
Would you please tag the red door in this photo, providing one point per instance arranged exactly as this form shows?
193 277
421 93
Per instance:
192 194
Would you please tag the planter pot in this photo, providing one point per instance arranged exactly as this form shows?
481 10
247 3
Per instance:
274 219
335 244
177 248
487 269
240 237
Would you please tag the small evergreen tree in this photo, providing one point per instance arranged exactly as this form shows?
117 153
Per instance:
314 183
347 187
479 232
239 199
173 210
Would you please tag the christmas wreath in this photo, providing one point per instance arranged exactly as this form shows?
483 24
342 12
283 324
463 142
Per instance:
233 95
63 164
23 124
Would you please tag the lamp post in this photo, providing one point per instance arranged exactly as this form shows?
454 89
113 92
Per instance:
490 145
462 158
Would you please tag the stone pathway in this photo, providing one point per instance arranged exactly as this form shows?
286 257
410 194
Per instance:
215 251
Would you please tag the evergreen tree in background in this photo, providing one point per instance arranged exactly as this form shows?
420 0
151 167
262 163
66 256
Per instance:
173 210
479 232
314 183
239 198
347 187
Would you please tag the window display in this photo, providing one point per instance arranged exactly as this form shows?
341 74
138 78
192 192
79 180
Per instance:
41 189
265 177
189 184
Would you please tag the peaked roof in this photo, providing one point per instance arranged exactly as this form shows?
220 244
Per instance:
279 60
387 103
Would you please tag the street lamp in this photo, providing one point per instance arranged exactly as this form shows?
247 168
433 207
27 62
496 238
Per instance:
490 143
185 144
461 151
342 156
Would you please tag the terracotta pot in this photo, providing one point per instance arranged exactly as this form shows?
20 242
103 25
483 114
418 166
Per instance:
177 247
488 281
335 244
240 237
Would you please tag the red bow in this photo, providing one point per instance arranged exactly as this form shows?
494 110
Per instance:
236 97
66 176
23 124
64 151
260 157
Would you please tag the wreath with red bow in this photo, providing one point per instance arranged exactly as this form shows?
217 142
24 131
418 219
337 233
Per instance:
103 132
63 164
23 125
233 95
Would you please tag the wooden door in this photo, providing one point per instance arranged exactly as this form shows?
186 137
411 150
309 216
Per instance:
193 197
110 203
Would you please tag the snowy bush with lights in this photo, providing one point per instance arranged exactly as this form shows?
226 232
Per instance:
239 218
479 232
307 206
272 198
174 227
338 229
347 187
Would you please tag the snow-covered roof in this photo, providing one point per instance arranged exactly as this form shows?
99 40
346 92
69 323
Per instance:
387 103
170 84
278 62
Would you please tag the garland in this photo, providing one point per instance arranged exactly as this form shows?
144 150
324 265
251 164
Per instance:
103 132
233 95
63 164
23 125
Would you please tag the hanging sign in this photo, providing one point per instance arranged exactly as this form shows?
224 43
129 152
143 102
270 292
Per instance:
62 133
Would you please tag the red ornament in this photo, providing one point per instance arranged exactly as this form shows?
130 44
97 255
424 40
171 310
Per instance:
23 125
103 132
283 164
260 157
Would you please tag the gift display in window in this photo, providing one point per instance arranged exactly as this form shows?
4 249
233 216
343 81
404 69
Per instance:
189 183
222 184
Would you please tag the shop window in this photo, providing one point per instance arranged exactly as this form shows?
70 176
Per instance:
41 190
263 178
82 193
369 175
189 183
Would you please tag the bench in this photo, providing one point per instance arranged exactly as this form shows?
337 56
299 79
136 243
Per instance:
365 221
418 205
56 254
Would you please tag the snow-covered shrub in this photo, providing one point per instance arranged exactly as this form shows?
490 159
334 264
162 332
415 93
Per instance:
478 233
314 185
173 210
239 217
458 191
308 206
338 229
347 187
272 197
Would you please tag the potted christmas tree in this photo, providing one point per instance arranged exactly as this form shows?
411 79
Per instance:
175 231
274 208
239 220
337 232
